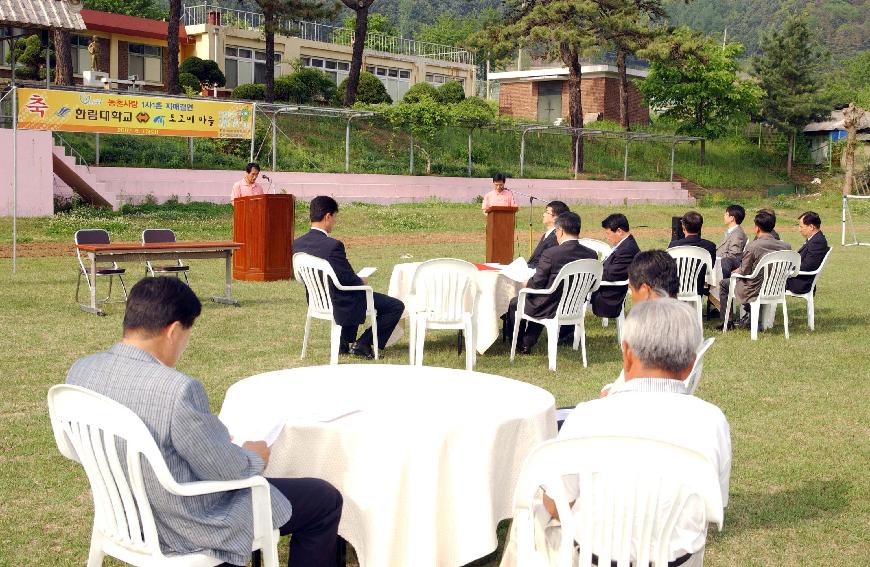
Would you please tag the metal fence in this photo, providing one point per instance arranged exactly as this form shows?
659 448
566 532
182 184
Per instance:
326 33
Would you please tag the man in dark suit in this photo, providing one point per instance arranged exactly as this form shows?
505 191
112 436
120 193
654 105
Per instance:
548 239
692 223
567 229
608 300
349 306
812 252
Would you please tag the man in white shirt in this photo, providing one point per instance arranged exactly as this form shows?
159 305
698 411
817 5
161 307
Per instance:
659 343
548 239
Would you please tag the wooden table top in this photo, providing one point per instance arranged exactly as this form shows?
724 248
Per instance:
179 245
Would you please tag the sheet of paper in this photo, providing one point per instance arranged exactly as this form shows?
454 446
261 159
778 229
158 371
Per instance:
518 270
366 272
258 430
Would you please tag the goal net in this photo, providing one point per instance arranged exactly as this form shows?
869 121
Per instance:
856 214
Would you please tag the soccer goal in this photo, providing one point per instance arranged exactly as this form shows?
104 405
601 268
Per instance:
856 214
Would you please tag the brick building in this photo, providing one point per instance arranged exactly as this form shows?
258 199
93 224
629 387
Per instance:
542 94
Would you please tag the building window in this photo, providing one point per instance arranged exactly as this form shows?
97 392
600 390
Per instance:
243 65
335 69
437 79
81 59
145 61
4 46
397 81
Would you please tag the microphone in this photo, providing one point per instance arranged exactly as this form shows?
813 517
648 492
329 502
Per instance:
266 177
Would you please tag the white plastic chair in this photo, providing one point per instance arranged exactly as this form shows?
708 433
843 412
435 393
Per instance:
620 320
694 377
440 291
600 247
775 268
86 428
810 295
690 260
578 280
97 236
159 236
626 486
316 274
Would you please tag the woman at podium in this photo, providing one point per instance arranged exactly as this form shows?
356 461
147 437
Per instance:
499 196
247 185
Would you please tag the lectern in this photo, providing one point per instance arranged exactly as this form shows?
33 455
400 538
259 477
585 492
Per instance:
264 226
500 223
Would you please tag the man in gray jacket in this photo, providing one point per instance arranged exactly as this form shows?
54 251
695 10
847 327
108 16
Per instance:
730 250
139 372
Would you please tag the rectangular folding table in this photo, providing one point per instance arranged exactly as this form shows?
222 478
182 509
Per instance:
138 252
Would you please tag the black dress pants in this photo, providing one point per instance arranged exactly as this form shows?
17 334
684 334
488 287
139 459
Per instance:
314 522
389 311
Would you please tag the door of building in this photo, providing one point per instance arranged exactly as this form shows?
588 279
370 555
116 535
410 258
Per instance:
549 101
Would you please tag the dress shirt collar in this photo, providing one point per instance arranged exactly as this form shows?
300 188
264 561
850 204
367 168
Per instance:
652 386
320 229
615 246
549 231
812 235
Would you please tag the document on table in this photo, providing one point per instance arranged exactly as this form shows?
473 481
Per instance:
518 270
262 429
366 272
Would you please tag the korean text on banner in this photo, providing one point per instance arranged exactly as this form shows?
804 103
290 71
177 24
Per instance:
70 111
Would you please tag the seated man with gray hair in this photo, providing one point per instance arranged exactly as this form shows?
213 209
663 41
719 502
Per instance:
658 350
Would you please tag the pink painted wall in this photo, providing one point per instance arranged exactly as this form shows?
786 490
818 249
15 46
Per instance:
35 177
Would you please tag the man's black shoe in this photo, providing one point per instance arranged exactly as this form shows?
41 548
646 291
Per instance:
343 348
714 314
362 350
523 349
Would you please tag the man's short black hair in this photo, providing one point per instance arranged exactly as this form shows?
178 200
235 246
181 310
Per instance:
811 218
657 269
251 166
614 222
558 207
765 220
156 303
693 221
736 211
569 222
498 176
320 207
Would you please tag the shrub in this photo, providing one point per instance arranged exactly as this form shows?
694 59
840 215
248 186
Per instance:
419 91
189 82
206 70
250 91
370 90
305 86
451 92
473 112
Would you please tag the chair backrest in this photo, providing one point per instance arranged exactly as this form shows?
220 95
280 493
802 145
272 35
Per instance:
694 377
440 288
820 268
157 235
690 260
776 268
90 428
91 236
578 280
315 273
627 489
602 248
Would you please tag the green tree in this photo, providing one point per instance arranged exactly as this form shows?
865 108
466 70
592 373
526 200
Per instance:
472 113
207 71
449 29
141 8
370 91
418 91
450 92
422 120
361 28
378 23
693 79
850 81
29 57
789 70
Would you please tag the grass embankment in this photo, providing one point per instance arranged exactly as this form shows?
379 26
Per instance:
308 143
800 486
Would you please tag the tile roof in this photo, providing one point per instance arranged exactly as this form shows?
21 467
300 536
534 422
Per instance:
63 14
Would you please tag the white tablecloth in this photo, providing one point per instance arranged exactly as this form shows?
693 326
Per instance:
493 293
425 458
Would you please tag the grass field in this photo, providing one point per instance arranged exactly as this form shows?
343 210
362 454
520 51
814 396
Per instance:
798 409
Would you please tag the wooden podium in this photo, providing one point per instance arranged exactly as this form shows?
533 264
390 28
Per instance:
500 222
264 226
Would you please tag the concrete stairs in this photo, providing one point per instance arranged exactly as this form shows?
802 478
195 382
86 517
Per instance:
81 180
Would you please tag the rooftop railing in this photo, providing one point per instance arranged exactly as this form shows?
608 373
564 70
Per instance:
325 33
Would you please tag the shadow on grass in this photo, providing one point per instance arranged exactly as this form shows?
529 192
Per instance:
757 510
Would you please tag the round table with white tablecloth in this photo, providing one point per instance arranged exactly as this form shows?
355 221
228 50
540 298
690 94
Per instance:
426 458
493 293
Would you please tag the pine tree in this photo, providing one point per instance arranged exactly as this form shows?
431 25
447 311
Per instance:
789 70
361 7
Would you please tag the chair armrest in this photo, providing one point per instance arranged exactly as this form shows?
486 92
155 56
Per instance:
353 287
211 486
812 273
604 283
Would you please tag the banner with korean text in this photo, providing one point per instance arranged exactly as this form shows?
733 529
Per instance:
147 115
